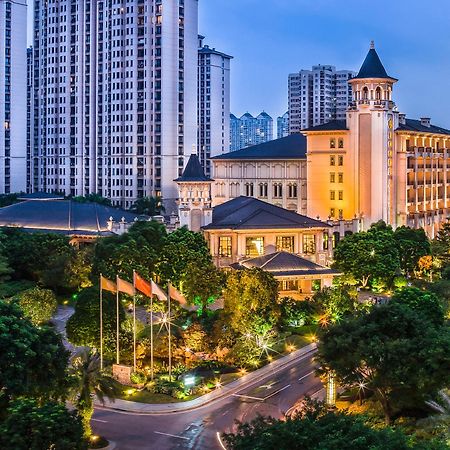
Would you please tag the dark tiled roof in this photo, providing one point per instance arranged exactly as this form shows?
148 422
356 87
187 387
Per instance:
193 171
62 216
250 213
372 67
207 51
289 147
333 125
40 196
285 264
416 125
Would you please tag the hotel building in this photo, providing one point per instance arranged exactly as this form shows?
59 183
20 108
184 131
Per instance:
13 99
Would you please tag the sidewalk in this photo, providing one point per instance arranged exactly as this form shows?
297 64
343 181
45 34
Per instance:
225 391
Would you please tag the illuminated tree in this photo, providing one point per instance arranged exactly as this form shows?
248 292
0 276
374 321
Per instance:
38 304
412 245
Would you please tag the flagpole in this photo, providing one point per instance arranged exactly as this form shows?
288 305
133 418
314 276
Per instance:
117 321
101 324
151 336
134 321
170 343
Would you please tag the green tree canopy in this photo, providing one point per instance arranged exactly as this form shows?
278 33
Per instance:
32 426
316 428
37 304
368 255
334 303
33 361
412 244
441 244
150 206
392 351
92 198
251 300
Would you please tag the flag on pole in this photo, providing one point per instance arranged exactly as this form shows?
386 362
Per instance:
142 285
156 290
107 285
177 295
124 286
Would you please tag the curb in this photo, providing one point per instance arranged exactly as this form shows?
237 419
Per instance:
245 381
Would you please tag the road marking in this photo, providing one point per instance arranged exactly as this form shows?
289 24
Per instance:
306 376
171 435
98 420
248 396
220 441
276 392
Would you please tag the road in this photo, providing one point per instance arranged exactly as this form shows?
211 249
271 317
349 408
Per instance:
198 429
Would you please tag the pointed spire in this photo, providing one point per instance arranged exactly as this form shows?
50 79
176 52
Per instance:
372 67
372 45
193 170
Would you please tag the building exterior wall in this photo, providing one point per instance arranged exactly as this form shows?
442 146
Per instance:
115 97
13 100
248 130
213 104
283 125
280 182
317 96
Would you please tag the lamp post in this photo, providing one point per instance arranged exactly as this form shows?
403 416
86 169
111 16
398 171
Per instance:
331 389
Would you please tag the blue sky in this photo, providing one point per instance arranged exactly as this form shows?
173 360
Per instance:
271 38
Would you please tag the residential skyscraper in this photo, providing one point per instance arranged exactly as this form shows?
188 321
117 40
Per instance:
249 130
283 125
30 113
13 99
213 103
318 96
115 96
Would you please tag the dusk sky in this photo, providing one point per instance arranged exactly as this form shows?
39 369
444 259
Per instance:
271 38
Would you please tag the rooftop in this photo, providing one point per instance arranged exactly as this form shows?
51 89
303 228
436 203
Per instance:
193 171
289 147
417 126
250 213
372 66
333 125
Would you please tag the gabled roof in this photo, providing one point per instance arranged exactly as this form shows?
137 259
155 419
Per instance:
333 125
193 171
289 147
372 66
250 213
62 216
416 125
284 264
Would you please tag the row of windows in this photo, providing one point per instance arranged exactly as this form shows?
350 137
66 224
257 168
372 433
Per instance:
339 197
340 160
340 177
333 143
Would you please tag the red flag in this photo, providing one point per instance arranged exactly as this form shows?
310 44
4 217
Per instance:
176 295
142 285
124 286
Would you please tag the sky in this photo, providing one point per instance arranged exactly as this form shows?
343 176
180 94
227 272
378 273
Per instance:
271 38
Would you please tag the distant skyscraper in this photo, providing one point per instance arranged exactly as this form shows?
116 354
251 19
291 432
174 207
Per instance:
283 125
29 117
318 96
249 130
115 96
213 103
13 98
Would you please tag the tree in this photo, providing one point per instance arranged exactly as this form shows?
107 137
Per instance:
37 304
441 244
295 313
412 244
180 249
368 255
316 428
150 206
5 269
32 426
83 327
251 300
92 198
33 361
90 382
8 199
392 351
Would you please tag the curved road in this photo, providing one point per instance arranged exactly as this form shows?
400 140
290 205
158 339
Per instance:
199 428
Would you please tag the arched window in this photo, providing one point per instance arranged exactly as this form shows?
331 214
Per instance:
277 190
263 190
292 190
249 189
378 93
365 93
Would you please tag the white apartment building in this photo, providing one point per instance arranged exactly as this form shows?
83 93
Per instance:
13 99
115 96
318 96
213 103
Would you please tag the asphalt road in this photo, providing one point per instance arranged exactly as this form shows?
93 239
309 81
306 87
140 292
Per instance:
198 429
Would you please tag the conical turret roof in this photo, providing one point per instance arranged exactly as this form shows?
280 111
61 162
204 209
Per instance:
193 171
372 67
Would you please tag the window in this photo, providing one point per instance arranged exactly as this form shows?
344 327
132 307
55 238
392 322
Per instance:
254 246
341 213
285 243
225 246
341 195
292 190
332 177
249 189
309 244
326 241
336 237
332 143
340 177
263 190
332 195
332 160
340 160
332 212
278 190
340 143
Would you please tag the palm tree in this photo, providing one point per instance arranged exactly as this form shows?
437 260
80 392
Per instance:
150 206
90 382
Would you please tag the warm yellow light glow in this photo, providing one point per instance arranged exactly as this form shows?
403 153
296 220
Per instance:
129 391
242 371
218 384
